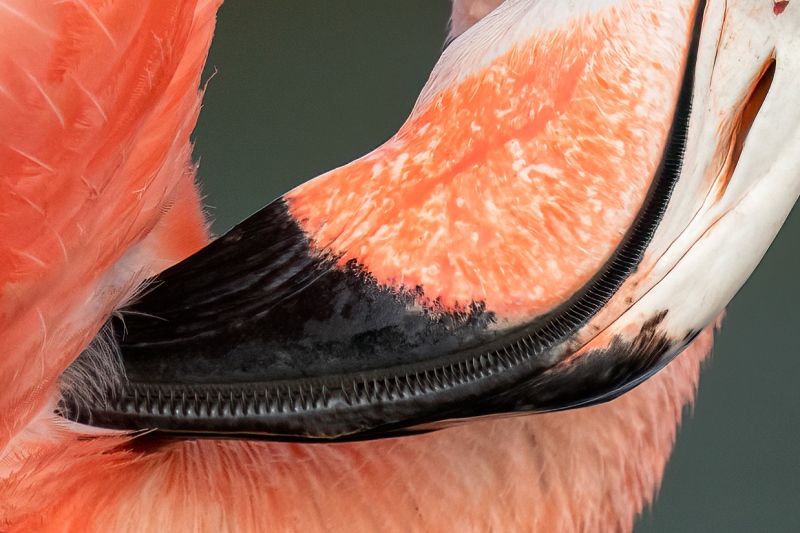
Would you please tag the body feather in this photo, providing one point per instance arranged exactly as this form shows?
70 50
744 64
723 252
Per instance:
96 183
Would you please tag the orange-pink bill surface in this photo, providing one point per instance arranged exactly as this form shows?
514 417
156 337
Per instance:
514 185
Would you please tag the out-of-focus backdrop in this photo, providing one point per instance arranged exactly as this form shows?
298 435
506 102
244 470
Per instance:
301 86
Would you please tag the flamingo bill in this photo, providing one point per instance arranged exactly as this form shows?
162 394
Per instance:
408 288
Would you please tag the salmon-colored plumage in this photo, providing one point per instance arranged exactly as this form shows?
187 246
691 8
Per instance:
97 100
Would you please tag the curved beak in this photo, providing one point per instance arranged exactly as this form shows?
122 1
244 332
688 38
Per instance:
579 190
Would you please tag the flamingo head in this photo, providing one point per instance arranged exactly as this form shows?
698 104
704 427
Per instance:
582 187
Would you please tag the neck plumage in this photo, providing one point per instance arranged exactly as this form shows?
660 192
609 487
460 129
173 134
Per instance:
468 12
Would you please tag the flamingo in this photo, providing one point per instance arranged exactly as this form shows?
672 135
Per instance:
99 101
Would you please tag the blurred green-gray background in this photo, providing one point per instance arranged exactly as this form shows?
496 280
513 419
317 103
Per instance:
302 86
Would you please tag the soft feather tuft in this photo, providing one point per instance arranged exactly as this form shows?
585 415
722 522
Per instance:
96 370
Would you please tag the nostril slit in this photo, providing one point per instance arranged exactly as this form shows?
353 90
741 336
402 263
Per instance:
741 129
752 106
779 7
